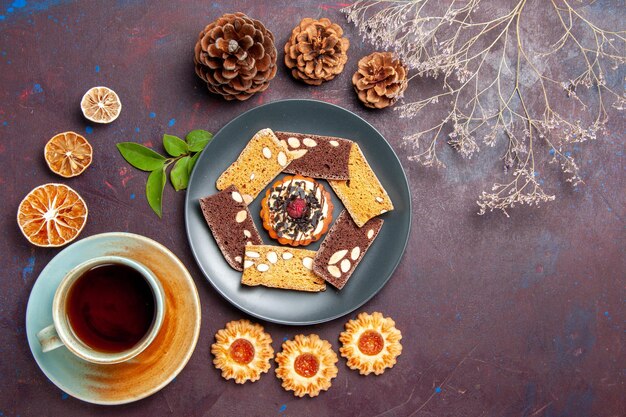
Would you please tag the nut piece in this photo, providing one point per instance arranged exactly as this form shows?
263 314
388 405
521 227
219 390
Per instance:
307 262
287 255
262 267
282 159
370 233
379 199
345 266
272 257
334 271
267 153
309 142
237 197
299 153
247 264
238 259
293 142
241 216
247 233
252 254
355 253
334 143
336 257
247 198
251 176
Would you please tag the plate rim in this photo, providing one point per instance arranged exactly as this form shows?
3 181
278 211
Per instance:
188 203
184 360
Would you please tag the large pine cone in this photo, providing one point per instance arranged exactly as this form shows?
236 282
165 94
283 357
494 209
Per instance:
380 80
316 51
236 56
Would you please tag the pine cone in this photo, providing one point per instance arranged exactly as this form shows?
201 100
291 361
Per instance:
380 80
236 56
316 52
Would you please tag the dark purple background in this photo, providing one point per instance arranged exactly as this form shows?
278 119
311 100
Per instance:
500 317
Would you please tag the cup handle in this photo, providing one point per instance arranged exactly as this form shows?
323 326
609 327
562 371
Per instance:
49 339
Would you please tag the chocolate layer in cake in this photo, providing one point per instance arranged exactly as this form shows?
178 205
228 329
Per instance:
317 156
344 247
230 222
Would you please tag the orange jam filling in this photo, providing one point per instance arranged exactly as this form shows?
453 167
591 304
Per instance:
371 343
306 365
242 351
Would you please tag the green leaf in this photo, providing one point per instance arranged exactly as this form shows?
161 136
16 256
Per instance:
192 163
179 175
141 157
154 190
198 139
174 145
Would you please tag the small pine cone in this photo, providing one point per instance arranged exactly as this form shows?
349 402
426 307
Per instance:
380 80
236 56
316 51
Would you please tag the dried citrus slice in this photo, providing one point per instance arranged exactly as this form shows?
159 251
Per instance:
68 154
101 105
52 215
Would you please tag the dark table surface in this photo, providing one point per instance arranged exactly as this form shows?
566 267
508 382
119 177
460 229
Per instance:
500 317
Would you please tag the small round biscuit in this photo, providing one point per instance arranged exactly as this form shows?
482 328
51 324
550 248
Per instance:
371 343
306 365
242 351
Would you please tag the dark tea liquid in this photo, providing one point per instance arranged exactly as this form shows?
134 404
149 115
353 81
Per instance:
111 307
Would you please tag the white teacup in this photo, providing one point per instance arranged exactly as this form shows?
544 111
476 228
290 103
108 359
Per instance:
61 333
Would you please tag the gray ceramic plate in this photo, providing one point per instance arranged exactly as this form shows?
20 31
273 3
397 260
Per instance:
377 266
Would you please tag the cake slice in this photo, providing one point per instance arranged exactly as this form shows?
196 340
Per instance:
344 247
263 158
280 267
230 222
363 195
317 156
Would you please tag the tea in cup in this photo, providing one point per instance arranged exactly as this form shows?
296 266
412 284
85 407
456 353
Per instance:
106 310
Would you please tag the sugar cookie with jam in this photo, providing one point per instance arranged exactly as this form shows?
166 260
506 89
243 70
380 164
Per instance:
242 351
371 343
306 365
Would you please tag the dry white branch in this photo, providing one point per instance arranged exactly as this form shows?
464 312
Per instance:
491 70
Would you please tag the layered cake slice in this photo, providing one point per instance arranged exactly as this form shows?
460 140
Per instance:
263 158
317 156
344 247
363 195
228 217
280 267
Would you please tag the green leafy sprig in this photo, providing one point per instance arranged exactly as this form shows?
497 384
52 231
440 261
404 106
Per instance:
183 153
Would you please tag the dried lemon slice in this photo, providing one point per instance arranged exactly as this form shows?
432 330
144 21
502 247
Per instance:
52 215
68 154
101 105
242 351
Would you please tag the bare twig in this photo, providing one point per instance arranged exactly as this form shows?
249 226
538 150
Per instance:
481 64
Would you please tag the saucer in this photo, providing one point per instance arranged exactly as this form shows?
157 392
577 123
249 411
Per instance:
156 366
